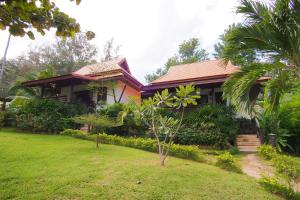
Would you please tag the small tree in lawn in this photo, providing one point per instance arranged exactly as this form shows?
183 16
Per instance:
165 128
94 120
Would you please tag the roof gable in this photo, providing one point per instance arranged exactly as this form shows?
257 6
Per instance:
112 65
206 69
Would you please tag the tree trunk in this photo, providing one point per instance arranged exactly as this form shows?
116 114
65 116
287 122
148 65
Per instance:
162 160
97 141
4 58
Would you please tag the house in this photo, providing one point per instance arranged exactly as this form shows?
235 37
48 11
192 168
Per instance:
108 82
207 76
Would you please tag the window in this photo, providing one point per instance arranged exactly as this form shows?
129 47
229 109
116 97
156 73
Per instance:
203 99
218 98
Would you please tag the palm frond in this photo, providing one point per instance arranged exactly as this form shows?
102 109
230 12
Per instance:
240 88
254 11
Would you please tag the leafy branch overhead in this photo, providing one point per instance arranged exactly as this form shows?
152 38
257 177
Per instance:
20 17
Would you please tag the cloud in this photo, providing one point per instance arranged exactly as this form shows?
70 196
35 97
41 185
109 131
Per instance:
149 31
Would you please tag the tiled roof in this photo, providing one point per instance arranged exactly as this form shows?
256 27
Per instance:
93 69
206 69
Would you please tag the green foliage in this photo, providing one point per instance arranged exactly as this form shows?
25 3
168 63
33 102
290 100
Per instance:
267 152
271 30
165 128
96 120
44 115
270 123
74 133
287 172
227 162
288 167
289 116
21 16
275 186
209 125
181 151
189 52
239 58
234 150
2 118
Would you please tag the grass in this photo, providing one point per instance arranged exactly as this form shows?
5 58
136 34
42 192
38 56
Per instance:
36 166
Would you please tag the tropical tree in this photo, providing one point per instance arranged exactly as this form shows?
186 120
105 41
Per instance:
95 120
165 128
272 31
189 52
239 58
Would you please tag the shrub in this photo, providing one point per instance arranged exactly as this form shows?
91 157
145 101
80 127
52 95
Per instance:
147 144
209 125
234 151
289 116
227 162
273 185
2 118
181 151
289 168
74 133
130 126
267 152
45 115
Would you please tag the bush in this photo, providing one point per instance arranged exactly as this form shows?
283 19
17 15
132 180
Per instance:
288 168
227 162
45 115
234 151
289 116
180 151
267 152
273 185
2 118
74 133
129 128
209 125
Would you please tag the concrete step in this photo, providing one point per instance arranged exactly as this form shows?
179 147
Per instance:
247 136
247 140
247 149
247 143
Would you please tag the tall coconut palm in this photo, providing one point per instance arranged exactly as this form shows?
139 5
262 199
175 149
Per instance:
273 32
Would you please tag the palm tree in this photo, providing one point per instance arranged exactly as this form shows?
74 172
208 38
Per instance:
273 32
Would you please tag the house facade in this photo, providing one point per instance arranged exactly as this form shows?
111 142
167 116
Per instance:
106 83
207 76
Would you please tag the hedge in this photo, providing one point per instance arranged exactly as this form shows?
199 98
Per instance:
147 144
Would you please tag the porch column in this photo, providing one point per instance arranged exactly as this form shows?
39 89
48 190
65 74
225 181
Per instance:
42 91
213 96
71 93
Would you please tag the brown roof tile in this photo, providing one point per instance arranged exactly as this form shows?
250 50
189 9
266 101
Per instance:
101 67
206 69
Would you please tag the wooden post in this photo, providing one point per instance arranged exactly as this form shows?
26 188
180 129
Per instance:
213 95
71 93
42 91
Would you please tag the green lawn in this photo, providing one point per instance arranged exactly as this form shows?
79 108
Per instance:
59 167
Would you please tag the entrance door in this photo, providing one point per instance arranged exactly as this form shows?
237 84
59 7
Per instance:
84 97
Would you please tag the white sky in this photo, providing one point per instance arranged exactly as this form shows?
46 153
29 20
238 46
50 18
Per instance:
149 32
